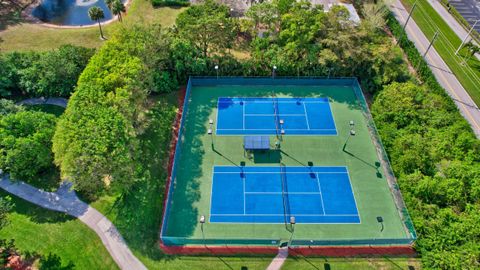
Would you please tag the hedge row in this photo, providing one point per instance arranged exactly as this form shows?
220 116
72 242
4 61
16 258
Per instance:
170 3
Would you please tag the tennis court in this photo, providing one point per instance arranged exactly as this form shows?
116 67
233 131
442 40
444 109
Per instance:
274 194
236 182
270 116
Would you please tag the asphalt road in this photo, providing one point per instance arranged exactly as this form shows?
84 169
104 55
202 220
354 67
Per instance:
469 9
442 72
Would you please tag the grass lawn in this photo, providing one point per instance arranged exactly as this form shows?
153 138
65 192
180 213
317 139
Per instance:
38 230
26 36
447 43
302 263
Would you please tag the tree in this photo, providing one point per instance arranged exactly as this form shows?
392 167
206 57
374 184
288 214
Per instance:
54 262
48 74
118 8
95 143
109 4
96 14
5 206
208 26
472 50
55 73
26 142
263 15
8 106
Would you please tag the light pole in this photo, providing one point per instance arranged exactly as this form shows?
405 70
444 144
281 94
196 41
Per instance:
380 220
274 69
216 69
466 37
350 134
202 221
292 223
405 25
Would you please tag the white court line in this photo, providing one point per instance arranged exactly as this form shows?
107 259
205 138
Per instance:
243 108
274 129
275 215
268 192
284 172
272 114
306 116
321 195
253 102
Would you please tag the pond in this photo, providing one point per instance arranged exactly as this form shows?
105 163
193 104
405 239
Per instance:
69 12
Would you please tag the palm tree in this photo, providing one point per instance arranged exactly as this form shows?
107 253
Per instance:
118 8
109 3
96 14
472 50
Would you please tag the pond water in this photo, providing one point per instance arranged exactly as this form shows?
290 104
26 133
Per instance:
69 12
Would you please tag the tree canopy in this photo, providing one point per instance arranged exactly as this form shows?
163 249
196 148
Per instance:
49 74
95 143
25 143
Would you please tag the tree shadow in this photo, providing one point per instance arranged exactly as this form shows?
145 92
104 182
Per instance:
12 12
269 156
35 213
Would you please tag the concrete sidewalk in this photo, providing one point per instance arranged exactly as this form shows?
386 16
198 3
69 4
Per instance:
442 72
65 200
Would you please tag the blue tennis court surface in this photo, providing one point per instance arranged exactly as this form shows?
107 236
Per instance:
267 116
310 194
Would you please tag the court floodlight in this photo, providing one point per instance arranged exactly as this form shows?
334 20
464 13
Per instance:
352 132
352 123
211 121
209 131
202 219
380 220
292 220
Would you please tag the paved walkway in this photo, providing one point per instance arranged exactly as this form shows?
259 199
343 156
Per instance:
65 200
62 102
442 72
278 261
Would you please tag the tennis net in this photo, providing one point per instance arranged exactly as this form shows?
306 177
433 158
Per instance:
276 118
286 205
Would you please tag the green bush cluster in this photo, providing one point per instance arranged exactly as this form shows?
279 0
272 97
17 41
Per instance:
435 156
25 144
95 143
170 3
48 74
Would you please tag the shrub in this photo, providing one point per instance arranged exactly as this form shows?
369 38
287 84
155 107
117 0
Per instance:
170 3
